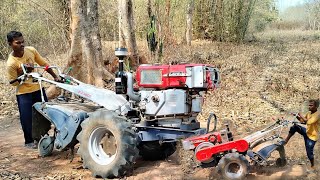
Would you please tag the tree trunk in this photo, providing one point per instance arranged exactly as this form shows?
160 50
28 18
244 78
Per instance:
132 43
127 36
160 35
167 37
149 9
152 34
86 50
219 27
121 16
75 54
92 43
189 22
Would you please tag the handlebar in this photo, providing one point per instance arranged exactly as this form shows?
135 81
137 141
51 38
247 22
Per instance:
286 122
280 122
46 68
13 81
26 73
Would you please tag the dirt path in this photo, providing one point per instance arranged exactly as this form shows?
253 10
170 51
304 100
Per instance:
17 162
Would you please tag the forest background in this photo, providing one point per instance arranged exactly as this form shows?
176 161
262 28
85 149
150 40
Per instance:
47 25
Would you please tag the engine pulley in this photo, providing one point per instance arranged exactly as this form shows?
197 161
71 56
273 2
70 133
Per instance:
202 146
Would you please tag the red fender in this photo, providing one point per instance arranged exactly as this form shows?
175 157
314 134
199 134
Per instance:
206 153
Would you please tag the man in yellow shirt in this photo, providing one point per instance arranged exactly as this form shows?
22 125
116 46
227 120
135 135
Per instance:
310 134
28 92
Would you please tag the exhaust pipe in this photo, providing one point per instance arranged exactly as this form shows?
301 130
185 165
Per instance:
124 80
132 95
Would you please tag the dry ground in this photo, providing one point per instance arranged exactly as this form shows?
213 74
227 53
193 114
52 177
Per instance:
270 76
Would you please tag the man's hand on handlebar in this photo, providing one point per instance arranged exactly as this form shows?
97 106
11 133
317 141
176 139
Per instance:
58 79
19 71
29 67
18 79
299 117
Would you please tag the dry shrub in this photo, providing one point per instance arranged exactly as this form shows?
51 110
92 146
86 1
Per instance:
287 25
296 35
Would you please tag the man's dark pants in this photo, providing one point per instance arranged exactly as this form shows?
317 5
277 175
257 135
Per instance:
25 102
307 141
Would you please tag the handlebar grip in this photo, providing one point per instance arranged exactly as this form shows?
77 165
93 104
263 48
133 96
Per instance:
13 81
68 70
46 68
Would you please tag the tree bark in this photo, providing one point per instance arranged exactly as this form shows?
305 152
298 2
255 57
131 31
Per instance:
86 50
127 32
149 9
121 17
189 15
75 54
92 43
160 33
219 27
167 38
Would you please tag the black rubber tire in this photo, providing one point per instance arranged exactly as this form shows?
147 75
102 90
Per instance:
233 159
93 137
153 150
46 145
281 162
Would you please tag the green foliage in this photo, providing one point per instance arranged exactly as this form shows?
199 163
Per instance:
237 16
223 20
204 19
313 14
108 19
263 14
40 24
152 35
46 25
6 22
142 21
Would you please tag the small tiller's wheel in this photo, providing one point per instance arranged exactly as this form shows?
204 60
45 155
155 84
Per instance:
281 162
233 166
45 145
203 146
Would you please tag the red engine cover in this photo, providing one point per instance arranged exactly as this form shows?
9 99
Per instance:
176 76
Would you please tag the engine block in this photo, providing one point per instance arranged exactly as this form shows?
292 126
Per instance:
167 102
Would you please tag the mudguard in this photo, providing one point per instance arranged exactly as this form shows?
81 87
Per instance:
65 117
264 150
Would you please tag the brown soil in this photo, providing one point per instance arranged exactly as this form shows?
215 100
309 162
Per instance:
18 162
